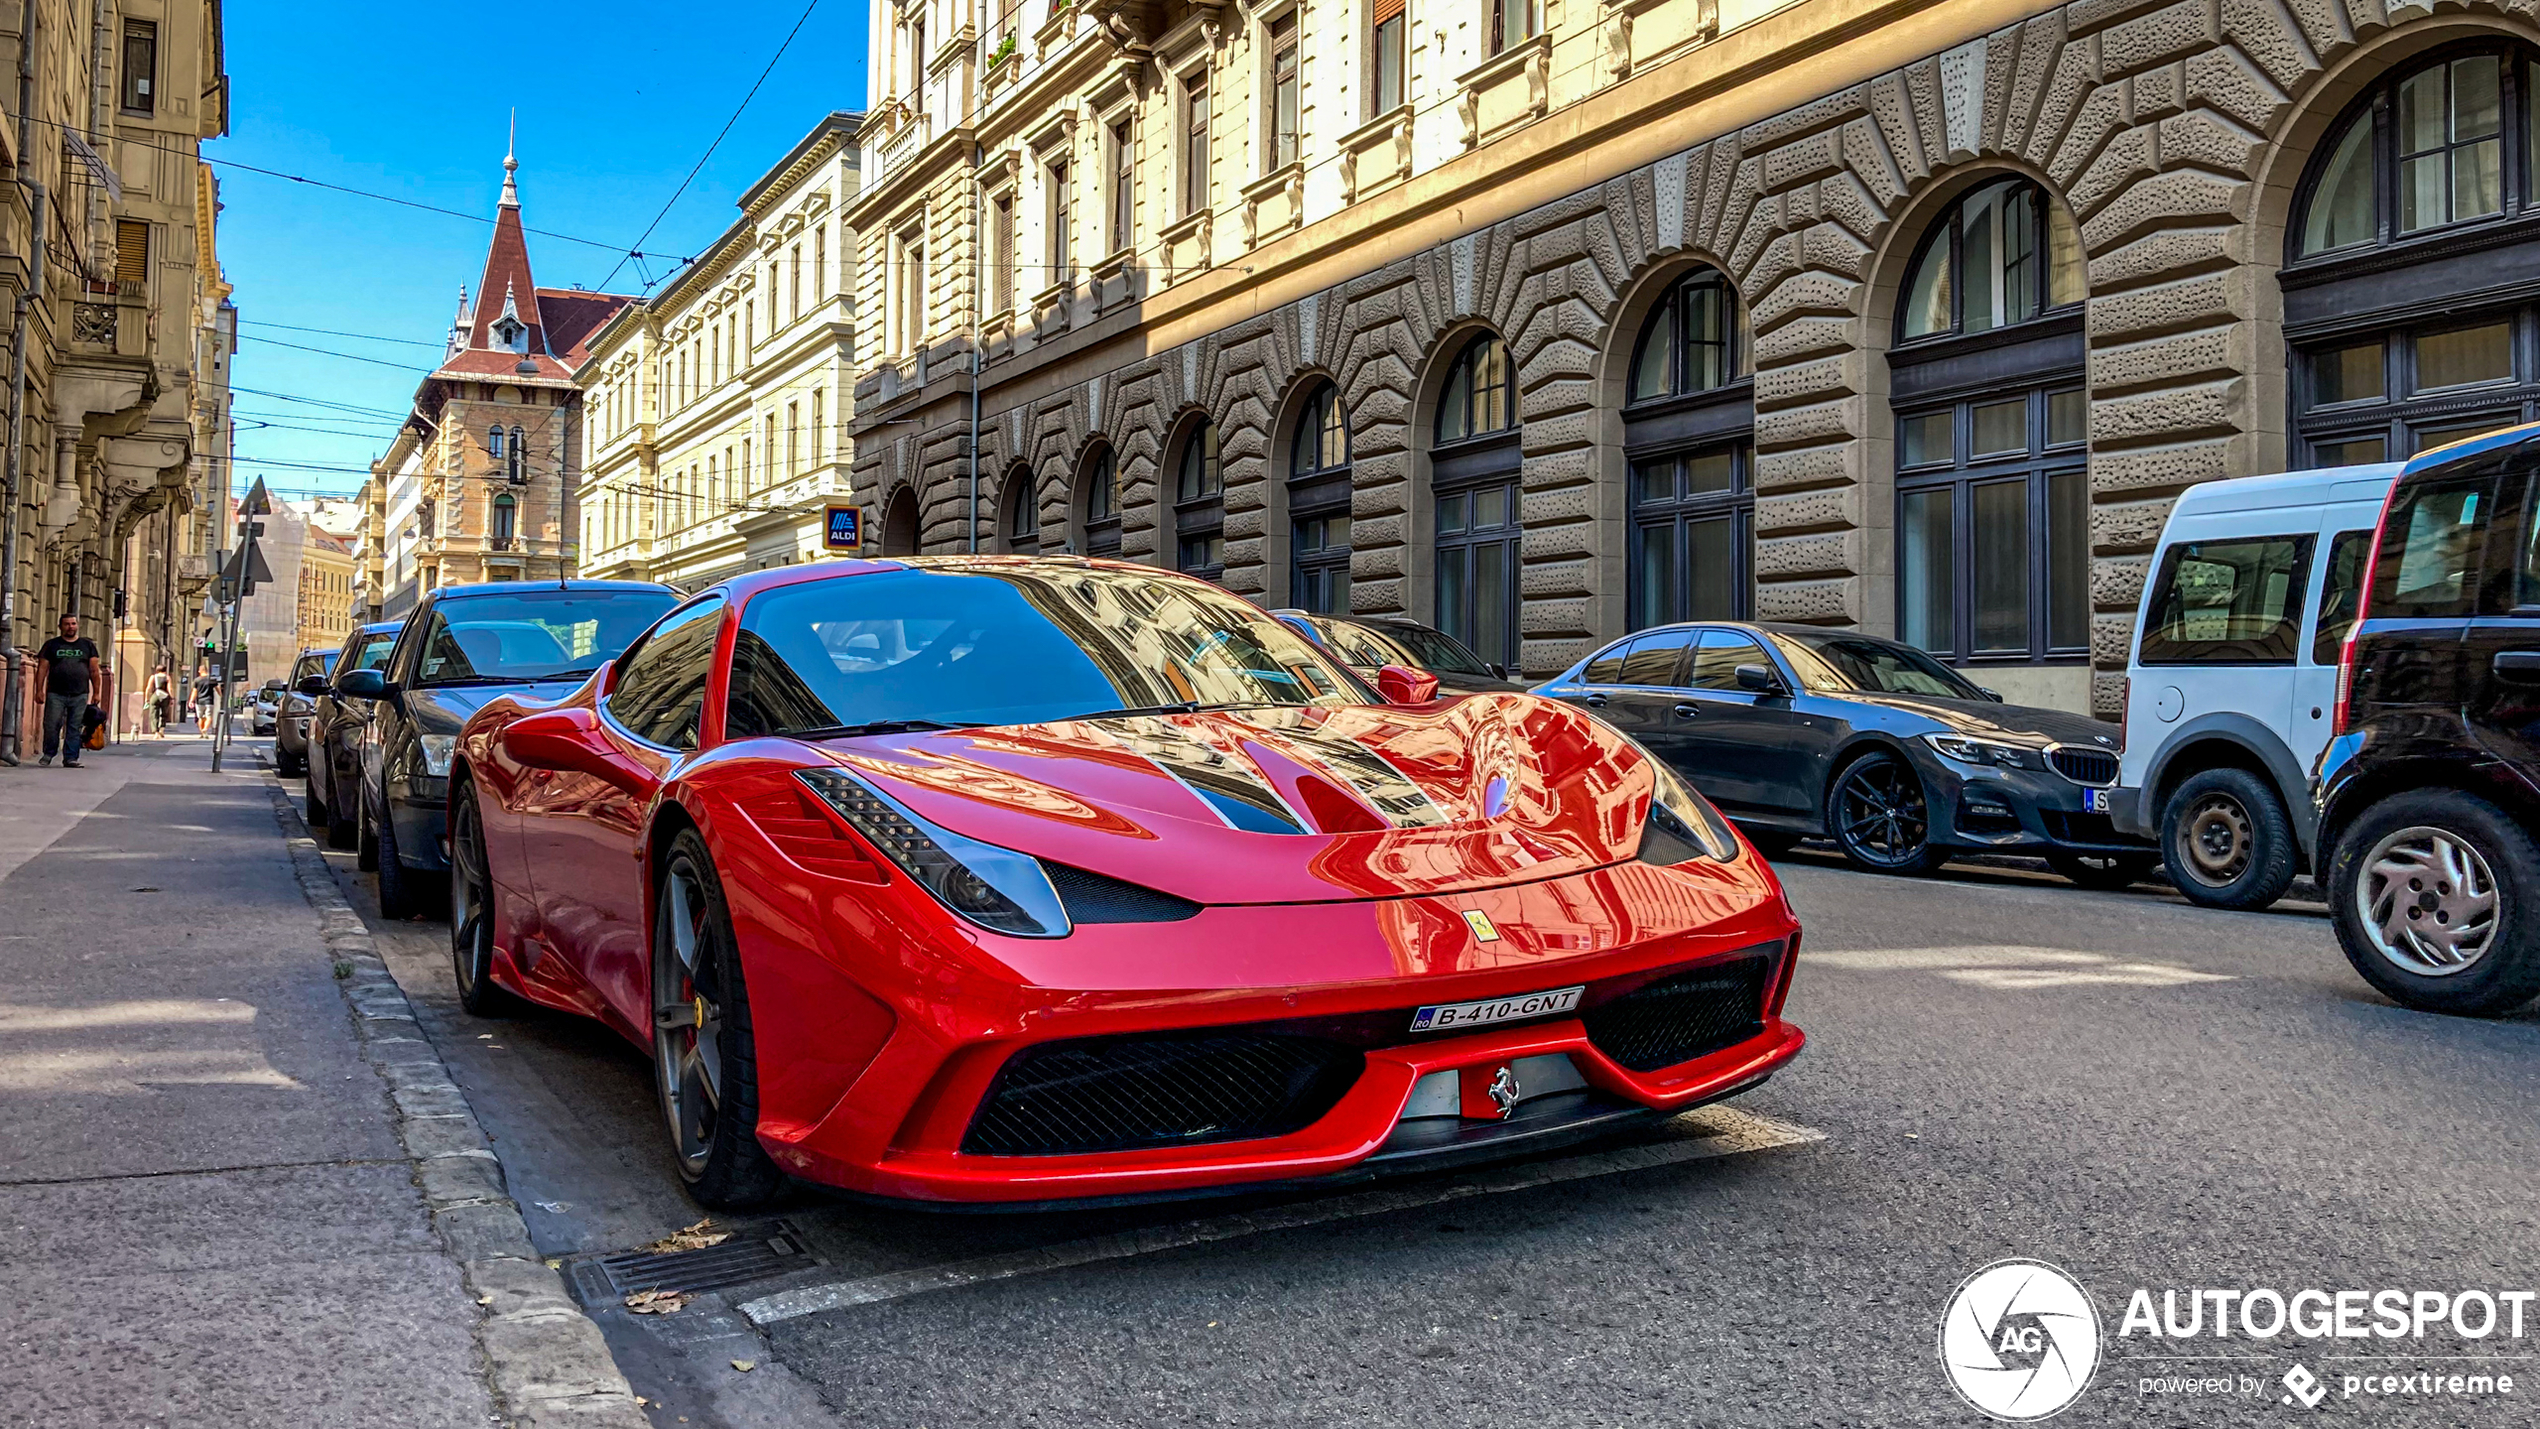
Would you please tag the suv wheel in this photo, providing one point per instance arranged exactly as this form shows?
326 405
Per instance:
2226 841
2431 892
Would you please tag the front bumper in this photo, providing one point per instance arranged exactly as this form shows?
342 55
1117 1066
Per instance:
1994 809
421 808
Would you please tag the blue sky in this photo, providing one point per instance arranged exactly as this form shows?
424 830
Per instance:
616 103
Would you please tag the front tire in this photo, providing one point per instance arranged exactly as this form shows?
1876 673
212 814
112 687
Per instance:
472 913
399 896
1880 816
2432 893
2226 841
312 808
705 1058
2106 872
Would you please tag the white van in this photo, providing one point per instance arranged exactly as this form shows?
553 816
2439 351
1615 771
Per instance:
2232 681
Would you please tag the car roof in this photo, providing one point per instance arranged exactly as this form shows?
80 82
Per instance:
740 588
2326 486
489 588
377 627
2496 443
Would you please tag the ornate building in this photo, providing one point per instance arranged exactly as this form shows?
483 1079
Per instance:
480 483
719 406
1547 322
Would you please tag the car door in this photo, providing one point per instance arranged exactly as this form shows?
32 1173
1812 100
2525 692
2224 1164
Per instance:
2346 539
1647 690
2500 666
2223 628
581 832
1748 743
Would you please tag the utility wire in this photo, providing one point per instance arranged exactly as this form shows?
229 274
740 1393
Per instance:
337 332
324 352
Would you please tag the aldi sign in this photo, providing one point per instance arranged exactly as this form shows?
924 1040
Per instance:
845 528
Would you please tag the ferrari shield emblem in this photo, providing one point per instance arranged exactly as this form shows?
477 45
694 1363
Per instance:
1481 925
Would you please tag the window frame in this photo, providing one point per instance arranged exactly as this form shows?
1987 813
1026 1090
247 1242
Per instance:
1199 515
1283 93
1673 518
1950 224
137 86
1020 520
2403 417
1465 367
1197 141
2037 465
1319 490
2519 167
1100 473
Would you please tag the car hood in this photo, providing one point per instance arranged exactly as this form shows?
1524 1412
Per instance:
442 709
1287 805
1983 719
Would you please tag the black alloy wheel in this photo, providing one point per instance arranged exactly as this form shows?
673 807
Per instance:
472 912
705 1058
2226 841
2105 871
1881 818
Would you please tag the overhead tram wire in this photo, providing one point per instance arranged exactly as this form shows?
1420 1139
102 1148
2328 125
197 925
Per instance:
337 332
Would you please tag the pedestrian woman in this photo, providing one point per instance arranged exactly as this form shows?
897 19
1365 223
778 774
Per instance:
162 703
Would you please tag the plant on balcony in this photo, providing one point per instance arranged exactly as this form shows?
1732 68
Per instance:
1005 50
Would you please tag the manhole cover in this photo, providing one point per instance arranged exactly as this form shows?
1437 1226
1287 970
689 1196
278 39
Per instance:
749 1255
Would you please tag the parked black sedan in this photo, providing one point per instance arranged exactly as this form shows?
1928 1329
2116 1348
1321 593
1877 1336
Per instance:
331 792
462 646
1368 643
1800 732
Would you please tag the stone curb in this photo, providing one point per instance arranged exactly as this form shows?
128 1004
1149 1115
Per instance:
546 1360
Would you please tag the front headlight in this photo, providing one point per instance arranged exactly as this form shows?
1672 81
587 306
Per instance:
1984 751
1682 824
996 888
436 751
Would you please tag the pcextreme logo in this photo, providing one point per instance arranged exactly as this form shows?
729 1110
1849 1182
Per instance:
2019 1340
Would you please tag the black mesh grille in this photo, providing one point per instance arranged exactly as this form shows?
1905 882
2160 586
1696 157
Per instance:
1094 898
1680 1018
1123 1093
2084 766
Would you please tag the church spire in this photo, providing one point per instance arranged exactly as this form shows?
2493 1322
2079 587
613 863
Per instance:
511 164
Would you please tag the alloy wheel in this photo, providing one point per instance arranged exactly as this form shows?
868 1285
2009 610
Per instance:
1880 813
687 1022
2217 838
471 902
2428 901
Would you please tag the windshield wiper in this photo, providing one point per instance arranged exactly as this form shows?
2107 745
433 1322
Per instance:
456 681
876 726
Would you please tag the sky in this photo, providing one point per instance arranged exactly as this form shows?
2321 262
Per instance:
616 103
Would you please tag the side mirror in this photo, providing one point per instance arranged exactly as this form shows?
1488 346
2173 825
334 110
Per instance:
567 741
1760 679
1402 685
311 685
1993 695
1501 671
362 685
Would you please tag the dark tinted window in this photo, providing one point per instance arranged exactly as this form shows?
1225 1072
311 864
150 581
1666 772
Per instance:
1607 667
2235 602
1655 657
1837 662
2337 595
1715 661
661 693
1416 646
2430 543
372 651
533 635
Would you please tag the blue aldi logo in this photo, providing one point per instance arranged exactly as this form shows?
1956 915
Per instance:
846 528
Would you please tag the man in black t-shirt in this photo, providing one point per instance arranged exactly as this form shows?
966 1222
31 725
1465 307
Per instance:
70 672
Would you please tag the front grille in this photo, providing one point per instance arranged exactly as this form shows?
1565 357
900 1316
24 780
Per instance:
2065 826
2084 766
1095 898
1125 1093
1680 1018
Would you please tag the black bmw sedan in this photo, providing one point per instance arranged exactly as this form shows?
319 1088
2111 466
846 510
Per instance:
1797 732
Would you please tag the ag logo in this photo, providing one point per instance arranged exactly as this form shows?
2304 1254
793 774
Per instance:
2019 1340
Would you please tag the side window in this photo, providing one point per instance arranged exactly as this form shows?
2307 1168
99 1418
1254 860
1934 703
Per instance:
2430 549
1607 668
2235 602
766 695
1716 659
2345 581
1655 656
661 692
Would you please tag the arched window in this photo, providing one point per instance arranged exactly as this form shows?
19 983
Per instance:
1689 436
1318 505
1986 380
899 524
1474 465
494 441
1199 506
1100 486
505 523
1022 515
2426 188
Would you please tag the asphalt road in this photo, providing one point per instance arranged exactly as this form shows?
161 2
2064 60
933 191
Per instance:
2144 1093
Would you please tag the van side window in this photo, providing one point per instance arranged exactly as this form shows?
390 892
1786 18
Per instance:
2236 602
2345 581
2430 549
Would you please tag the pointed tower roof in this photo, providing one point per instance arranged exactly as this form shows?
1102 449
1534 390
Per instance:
551 355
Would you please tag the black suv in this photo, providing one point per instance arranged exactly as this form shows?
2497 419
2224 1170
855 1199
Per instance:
2429 794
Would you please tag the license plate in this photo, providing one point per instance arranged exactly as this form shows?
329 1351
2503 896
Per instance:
1495 1009
2096 800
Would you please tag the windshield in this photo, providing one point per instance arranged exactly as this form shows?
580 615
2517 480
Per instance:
950 645
1835 661
534 635
1416 646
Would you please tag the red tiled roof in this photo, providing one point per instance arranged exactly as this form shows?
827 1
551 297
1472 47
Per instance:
560 320
572 315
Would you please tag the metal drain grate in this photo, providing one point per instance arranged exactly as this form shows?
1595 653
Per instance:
749 1255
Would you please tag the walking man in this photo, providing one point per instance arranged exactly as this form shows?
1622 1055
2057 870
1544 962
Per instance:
70 672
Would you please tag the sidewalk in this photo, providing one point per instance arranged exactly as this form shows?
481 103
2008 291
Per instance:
210 1217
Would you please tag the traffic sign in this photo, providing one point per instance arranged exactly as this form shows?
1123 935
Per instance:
844 530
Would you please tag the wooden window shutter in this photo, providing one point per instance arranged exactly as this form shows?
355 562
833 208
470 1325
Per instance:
132 251
1385 10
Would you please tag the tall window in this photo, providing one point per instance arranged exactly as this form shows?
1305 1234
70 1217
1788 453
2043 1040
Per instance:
793 439
2434 166
1123 191
1285 108
1386 28
1512 21
140 67
1688 423
1101 487
1318 505
494 441
910 319
518 456
1022 515
1475 457
1195 143
819 425
794 284
1199 506
1062 224
1001 250
820 263
1992 421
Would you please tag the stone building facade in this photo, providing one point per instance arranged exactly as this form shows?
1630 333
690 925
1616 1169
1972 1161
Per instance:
718 407
1900 316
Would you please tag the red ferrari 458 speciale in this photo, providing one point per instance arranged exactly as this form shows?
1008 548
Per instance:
993 880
